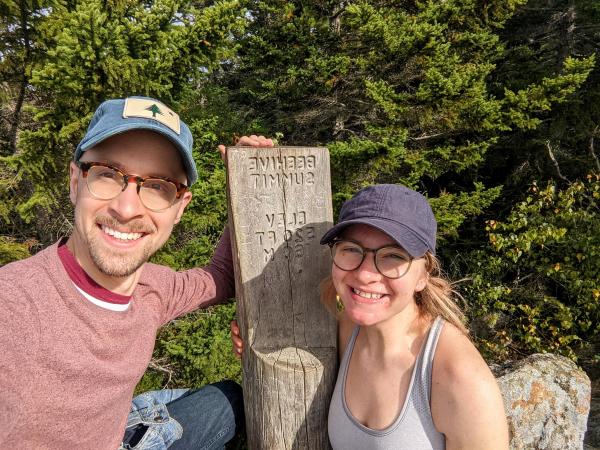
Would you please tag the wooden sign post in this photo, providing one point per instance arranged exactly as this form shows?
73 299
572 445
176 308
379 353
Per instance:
280 206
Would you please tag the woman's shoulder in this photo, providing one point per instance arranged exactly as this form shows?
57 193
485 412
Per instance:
464 391
457 362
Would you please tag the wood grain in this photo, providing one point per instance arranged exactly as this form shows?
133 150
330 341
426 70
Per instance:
280 206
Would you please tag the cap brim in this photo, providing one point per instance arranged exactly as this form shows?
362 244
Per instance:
188 163
402 235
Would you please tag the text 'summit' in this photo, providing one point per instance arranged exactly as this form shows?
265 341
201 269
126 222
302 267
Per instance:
280 171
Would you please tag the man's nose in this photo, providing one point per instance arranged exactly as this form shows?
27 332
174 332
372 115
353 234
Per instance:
128 205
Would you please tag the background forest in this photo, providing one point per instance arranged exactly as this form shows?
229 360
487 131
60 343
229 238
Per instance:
490 108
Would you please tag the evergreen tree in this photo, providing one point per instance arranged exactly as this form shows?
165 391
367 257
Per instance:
464 100
88 52
540 39
400 91
18 29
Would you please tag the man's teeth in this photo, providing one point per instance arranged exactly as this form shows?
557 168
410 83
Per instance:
370 295
120 235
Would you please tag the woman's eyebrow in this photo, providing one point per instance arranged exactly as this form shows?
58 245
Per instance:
356 241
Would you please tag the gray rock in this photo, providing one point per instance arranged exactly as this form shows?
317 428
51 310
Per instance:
592 437
547 400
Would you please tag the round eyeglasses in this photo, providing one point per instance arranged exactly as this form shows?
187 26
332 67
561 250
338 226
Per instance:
106 182
390 261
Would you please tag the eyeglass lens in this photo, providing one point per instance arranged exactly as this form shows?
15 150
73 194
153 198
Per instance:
106 183
391 262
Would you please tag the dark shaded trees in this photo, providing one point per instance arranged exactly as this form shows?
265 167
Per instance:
468 101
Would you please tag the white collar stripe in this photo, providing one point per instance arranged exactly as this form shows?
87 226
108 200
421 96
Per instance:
102 304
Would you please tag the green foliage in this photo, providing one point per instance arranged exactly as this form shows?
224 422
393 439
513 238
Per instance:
527 103
400 93
540 41
451 210
12 251
467 101
195 350
537 285
92 52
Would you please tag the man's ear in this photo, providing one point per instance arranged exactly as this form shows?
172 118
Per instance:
185 200
74 174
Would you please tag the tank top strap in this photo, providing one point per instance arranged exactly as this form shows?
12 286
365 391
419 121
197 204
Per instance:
413 429
348 352
424 363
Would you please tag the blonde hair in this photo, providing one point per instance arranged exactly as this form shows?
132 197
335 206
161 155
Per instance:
436 299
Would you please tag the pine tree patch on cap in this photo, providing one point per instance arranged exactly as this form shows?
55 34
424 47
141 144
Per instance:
152 109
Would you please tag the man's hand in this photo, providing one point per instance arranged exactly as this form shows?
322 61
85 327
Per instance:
236 340
249 141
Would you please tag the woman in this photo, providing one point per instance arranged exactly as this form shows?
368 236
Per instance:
409 376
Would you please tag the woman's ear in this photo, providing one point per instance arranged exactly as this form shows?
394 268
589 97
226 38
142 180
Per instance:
422 281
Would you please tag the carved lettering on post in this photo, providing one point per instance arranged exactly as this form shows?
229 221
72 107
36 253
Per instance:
280 206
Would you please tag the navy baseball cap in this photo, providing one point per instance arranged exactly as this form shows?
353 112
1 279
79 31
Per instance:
118 116
400 212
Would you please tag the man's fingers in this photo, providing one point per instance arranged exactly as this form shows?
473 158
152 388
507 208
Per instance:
251 141
255 141
248 141
222 151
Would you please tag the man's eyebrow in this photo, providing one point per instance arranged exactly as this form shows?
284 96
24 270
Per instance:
108 162
124 170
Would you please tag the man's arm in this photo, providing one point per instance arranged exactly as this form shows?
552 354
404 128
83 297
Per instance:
215 283
185 291
221 267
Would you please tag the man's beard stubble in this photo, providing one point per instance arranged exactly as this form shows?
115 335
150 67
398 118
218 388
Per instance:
114 263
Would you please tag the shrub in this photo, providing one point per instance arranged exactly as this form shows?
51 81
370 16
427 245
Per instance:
193 351
536 287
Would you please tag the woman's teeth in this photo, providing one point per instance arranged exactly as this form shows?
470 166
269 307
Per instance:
369 295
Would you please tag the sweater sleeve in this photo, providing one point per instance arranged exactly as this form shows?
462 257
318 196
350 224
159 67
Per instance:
221 268
186 291
19 346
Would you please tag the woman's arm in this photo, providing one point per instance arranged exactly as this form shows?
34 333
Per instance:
466 402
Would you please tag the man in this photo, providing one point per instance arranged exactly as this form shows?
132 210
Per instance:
79 319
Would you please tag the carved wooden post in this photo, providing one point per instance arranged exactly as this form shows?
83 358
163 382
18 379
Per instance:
280 206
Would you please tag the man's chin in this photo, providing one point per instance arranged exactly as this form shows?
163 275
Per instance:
120 271
118 265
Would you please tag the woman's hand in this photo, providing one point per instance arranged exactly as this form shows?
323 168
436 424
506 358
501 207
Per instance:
236 340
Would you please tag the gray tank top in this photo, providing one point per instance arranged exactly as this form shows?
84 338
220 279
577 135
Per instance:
413 429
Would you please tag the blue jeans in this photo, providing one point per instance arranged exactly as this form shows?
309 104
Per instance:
179 419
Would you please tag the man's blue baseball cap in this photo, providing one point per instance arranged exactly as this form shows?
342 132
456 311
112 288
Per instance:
401 213
118 116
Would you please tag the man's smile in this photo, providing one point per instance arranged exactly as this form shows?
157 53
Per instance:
121 235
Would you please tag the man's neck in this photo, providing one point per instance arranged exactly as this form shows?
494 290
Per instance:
119 285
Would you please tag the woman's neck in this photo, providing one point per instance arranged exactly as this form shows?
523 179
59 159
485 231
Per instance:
398 335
